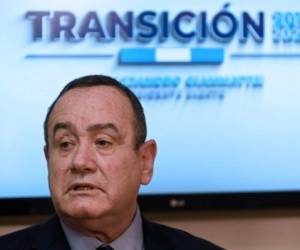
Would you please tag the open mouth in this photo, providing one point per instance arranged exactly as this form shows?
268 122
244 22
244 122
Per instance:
82 187
78 188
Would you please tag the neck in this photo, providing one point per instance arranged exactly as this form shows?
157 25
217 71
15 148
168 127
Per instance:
105 229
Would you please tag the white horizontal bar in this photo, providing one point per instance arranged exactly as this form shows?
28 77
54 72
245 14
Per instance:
172 55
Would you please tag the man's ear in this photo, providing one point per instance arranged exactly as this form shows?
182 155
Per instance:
46 152
147 156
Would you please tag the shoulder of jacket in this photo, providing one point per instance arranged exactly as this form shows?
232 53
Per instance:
181 238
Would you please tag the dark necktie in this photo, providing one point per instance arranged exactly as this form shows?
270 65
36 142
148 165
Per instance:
104 248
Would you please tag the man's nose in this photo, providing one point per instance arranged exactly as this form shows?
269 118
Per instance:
83 160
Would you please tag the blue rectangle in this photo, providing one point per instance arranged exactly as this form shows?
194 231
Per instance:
136 55
209 55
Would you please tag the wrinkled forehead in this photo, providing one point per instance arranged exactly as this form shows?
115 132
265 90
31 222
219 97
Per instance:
94 104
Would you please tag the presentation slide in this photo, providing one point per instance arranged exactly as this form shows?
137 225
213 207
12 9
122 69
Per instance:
219 82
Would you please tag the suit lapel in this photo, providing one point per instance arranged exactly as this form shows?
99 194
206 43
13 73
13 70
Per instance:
50 236
155 238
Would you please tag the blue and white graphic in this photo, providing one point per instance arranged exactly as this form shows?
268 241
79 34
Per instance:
218 80
170 55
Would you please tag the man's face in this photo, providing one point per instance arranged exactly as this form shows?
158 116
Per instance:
94 169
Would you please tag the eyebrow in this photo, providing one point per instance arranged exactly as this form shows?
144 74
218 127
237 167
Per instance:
63 125
103 126
91 128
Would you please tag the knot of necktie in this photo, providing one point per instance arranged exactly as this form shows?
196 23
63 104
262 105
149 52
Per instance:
104 248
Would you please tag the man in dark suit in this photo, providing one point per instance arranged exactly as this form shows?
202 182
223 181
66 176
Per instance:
97 158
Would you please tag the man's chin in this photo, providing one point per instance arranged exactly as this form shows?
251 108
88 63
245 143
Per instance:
83 211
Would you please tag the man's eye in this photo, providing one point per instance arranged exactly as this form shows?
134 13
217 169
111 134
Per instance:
103 143
65 145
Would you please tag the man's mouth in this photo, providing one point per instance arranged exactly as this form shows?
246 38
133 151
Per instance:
82 187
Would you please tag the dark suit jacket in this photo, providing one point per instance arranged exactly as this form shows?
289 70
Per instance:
50 235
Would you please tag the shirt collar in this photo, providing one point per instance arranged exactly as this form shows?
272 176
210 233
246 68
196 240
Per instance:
131 239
